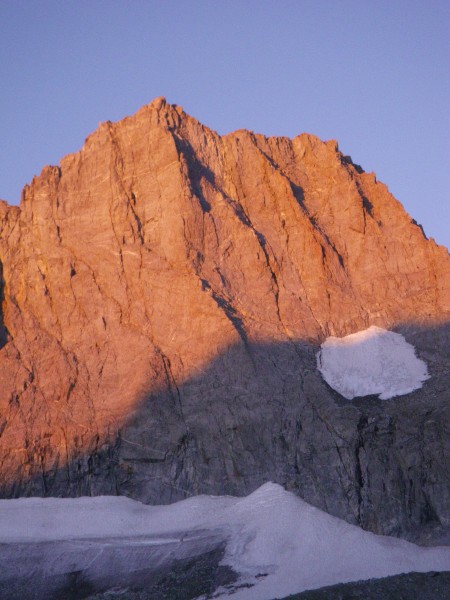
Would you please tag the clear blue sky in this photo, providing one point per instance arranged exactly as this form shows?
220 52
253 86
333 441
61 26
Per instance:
373 74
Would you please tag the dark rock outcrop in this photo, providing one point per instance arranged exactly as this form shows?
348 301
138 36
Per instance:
163 294
423 586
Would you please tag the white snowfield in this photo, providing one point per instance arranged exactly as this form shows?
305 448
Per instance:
270 532
373 361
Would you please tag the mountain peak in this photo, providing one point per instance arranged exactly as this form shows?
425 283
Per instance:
163 294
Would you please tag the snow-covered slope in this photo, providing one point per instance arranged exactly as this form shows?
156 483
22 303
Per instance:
373 361
271 532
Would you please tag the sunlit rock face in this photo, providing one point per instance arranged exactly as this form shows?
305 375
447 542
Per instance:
164 293
373 361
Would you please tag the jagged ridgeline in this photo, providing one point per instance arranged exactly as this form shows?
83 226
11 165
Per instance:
164 293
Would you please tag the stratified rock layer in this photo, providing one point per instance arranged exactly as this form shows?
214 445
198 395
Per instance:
163 294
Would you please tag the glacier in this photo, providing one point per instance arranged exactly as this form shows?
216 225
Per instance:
275 543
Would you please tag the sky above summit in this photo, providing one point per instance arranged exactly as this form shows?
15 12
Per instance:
372 75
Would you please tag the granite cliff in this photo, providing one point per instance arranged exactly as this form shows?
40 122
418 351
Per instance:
163 294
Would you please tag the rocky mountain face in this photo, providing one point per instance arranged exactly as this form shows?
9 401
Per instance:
163 294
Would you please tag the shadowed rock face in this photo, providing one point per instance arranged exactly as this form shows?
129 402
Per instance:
164 293
3 330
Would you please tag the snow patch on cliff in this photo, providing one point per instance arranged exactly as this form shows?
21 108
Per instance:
373 361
